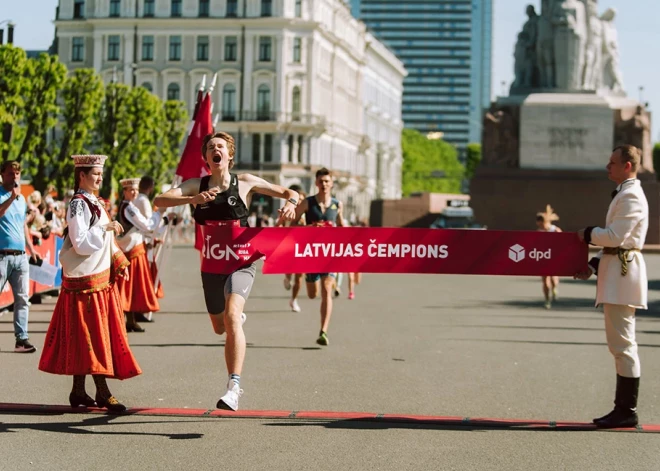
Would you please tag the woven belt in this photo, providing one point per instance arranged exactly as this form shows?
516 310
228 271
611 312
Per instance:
11 252
623 256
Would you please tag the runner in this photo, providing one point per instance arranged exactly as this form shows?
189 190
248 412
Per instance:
224 196
297 278
322 210
544 223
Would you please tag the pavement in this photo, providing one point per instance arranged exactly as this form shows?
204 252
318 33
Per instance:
422 372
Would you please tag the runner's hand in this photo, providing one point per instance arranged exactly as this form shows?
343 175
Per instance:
205 196
288 212
115 227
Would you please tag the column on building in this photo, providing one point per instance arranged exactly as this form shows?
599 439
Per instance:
127 58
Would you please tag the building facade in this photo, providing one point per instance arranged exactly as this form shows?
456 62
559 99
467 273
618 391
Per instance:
300 83
445 45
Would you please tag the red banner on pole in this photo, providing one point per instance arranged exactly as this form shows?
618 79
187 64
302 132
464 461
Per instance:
393 250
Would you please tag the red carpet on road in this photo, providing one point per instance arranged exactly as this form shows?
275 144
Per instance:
10 408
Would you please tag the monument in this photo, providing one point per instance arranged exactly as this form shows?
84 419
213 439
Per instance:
548 141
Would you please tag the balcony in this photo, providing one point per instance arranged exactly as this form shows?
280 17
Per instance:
272 116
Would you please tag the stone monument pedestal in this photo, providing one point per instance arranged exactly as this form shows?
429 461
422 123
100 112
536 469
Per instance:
508 199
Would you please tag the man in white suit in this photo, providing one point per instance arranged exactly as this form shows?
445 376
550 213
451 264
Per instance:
622 283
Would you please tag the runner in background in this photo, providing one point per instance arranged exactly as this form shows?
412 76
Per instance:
297 278
544 223
322 210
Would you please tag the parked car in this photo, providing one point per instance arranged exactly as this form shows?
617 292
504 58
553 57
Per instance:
456 218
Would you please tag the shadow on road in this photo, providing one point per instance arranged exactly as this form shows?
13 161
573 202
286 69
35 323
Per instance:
249 345
73 427
543 327
545 342
452 426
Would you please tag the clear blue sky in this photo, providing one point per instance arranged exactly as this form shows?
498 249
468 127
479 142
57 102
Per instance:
637 23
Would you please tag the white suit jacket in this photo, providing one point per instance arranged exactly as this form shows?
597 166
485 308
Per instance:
625 226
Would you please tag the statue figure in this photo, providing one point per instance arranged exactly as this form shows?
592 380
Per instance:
611 72
570 22
593 67
500 144
545 52
525 52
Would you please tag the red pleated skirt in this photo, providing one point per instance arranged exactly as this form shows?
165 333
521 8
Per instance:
87 332
137 294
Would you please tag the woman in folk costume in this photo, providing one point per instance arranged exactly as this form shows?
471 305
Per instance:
544 222
137 291
86 333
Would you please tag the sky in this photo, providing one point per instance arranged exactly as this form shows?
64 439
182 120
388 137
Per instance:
637 25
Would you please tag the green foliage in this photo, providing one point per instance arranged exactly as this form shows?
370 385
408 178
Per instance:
422 158
13 81
656 159
473 159
53 116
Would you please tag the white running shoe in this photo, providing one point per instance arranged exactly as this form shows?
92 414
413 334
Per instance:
287 284
295 307
230 400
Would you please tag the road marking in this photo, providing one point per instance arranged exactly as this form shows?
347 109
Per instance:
429 420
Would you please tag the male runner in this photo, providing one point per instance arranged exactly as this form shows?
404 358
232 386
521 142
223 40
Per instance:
322 210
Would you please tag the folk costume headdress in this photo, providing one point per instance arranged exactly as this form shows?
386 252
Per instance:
90 160
130 183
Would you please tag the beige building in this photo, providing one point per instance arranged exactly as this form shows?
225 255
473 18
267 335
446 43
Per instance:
301 83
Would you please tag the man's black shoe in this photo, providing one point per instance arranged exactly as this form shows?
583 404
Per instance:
23 346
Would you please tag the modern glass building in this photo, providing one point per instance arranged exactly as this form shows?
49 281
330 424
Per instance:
446 47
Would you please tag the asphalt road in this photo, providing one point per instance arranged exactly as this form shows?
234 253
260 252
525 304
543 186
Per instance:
459 346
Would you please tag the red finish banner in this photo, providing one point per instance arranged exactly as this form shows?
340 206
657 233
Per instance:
392 250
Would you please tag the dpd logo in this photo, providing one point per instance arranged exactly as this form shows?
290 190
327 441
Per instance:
516 253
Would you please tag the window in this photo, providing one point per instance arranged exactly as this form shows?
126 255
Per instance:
290 146
113 47
78 50
149 8
263 103
202 48
298 9
147 86
295 104
229 103
231 48
268 147
176 7
79 9
115 8
173 91
204 8
265 46
147 48
297 44
175 48
232 8
256 147
266 7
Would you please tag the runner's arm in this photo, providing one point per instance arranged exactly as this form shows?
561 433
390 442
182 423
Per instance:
187 193
340 215
261 186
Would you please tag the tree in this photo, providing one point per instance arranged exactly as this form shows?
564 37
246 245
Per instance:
473 159
656 159
82 95
429 165
45 78
176 119
13 62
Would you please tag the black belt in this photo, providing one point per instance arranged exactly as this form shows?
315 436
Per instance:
11 252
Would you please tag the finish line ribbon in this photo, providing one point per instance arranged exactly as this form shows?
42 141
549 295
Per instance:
392 250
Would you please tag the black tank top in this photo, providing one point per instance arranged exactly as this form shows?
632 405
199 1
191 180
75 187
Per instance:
122 219
227 206
314 213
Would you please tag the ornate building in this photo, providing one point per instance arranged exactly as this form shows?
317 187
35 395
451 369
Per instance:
301 84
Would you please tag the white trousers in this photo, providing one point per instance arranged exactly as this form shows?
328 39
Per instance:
620 332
